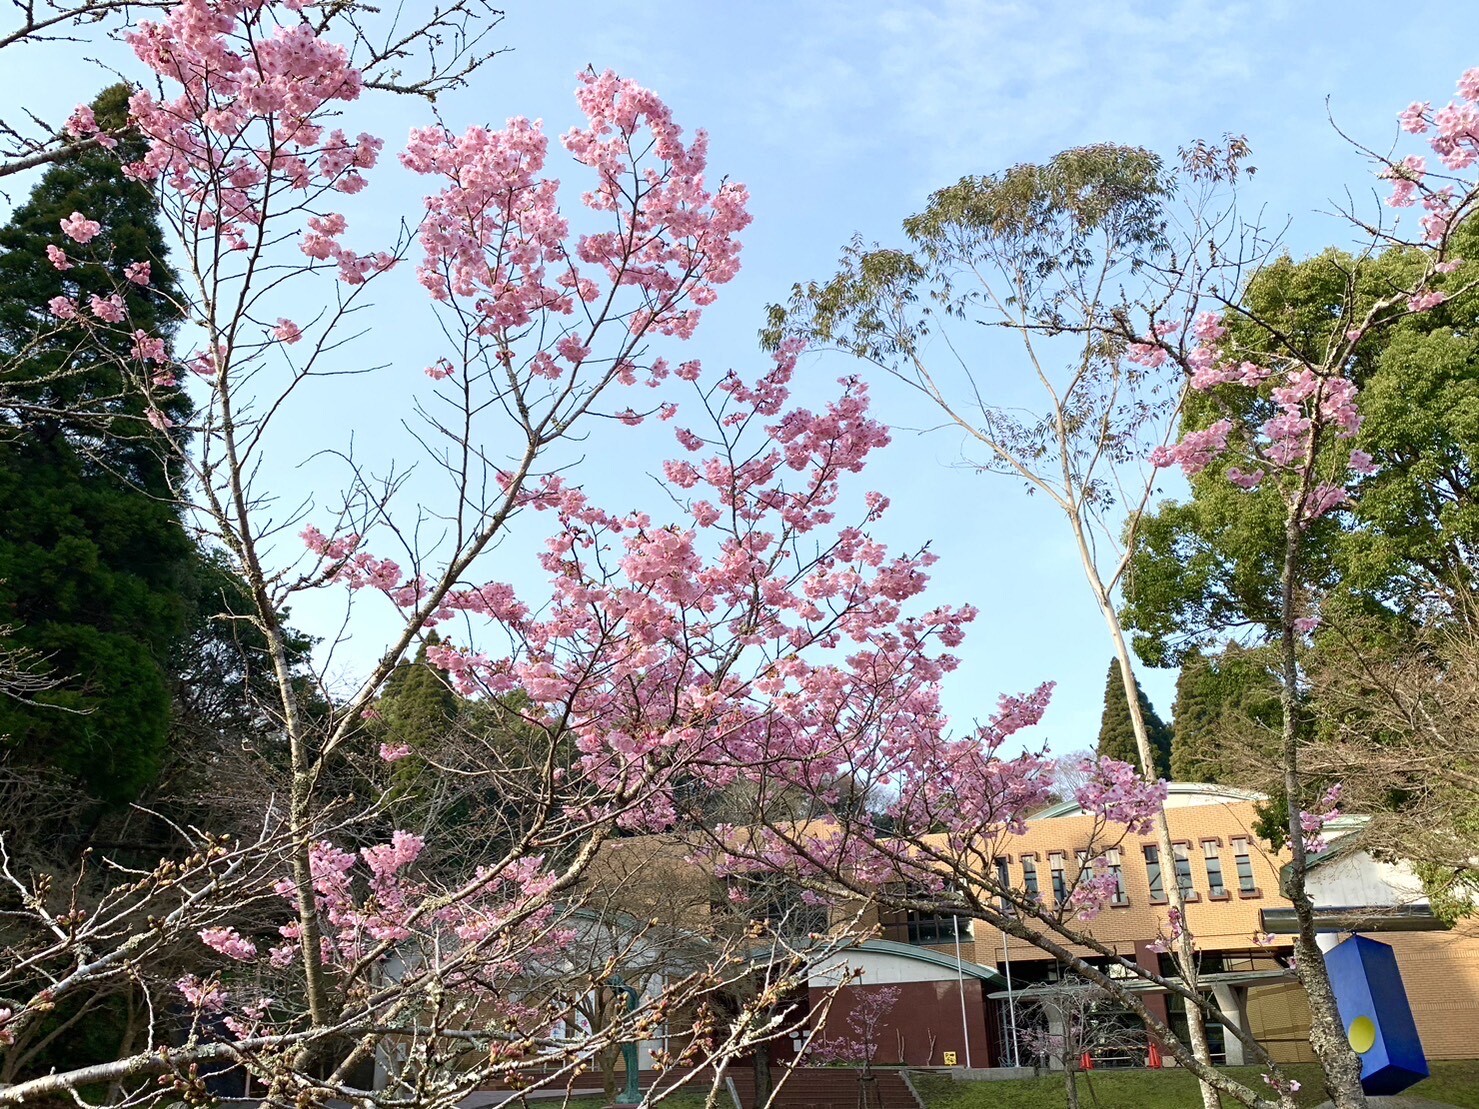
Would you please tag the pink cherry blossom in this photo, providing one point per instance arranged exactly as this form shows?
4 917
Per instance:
79 228
229 943
1244 480
140 273
110 308
1325 497
286 331
81 122
1414 118
1196 450
57 257
394 752
148 348
205 996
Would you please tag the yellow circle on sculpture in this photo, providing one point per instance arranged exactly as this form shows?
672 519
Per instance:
1362 1034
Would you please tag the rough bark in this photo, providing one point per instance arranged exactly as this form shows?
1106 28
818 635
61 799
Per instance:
1341 1065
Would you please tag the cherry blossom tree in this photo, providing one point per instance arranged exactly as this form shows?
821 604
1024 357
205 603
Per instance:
434 52
319 942
761 626
858 1045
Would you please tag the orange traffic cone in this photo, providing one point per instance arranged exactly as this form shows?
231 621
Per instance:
1154 1061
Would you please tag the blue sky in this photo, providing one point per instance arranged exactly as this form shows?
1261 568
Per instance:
842 117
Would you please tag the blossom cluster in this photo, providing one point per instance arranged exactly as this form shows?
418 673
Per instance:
1454 139
248 119
1306 402
1312 822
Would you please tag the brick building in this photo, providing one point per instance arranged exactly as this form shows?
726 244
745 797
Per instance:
967 986
967 991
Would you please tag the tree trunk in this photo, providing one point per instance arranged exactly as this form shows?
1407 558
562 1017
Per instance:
760 1065
1340 1063
1070 1086
1185 954
608 1073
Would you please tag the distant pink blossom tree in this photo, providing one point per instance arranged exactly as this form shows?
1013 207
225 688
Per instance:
858 1045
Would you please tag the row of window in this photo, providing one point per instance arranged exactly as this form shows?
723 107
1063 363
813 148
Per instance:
1112 862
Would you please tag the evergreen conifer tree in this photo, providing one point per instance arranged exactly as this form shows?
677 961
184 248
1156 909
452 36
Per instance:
93 553
1227 716
1117 733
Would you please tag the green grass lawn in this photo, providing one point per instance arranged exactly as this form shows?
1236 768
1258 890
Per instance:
1456 1083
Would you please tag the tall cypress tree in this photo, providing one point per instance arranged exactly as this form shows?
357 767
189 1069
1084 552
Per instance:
93 554
1227 717
1117 732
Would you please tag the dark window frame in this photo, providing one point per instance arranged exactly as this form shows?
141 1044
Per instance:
1153 873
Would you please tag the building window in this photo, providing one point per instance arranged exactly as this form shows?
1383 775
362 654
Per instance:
1153 874
1058 867
1213 858
1244 859
922 926
1004 880
1113 862
1182 854
776 901
1029 876
937 928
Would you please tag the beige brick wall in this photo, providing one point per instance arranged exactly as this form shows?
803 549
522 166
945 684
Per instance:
1226 924
1279 1016
1440 971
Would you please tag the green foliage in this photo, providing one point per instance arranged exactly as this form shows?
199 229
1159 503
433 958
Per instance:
1452 890
93 557
1046 225
1227 717
1051 217
417 706
1451 1083
90 572
417 709
1209 567
1117 731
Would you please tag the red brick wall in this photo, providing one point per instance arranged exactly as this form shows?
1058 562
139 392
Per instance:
926 1015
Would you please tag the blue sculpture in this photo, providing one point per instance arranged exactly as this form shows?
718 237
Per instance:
1378 1020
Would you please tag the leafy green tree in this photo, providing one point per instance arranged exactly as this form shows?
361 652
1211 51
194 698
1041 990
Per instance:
1117 732
1208 567
93 555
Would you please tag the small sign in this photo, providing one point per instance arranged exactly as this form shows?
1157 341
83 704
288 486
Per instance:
950 1058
